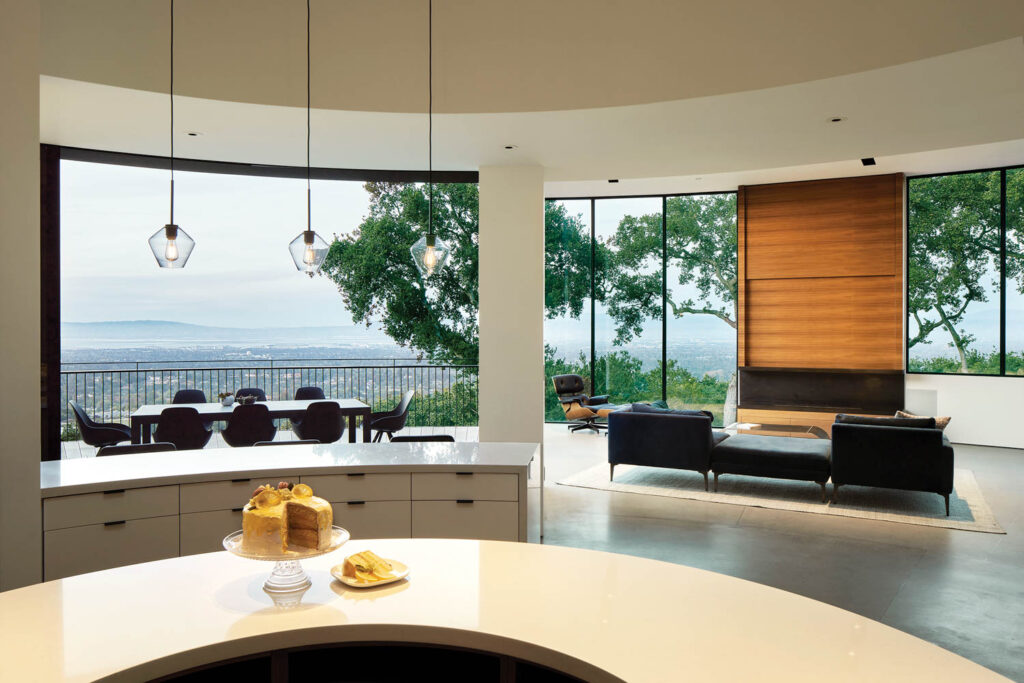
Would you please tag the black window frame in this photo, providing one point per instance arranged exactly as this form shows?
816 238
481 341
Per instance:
664 270
1002 170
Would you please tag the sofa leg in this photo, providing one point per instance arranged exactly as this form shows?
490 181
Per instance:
835 493
611 471
947 504
716 482
705 481
824 496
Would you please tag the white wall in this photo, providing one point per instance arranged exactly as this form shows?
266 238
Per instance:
20 524
987 411
512 303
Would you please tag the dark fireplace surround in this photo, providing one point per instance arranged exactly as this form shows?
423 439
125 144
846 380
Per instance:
878 392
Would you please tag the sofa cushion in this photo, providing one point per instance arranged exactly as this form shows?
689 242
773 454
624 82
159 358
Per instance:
940 422
755 453
649 408
917 422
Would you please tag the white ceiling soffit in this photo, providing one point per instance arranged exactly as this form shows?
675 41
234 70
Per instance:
970 97
494 56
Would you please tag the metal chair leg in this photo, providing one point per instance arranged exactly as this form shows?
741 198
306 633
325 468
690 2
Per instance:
824 497
946 497
835 493
716 482
705 480
611 472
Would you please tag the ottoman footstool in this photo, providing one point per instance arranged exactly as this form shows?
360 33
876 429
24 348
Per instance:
777 457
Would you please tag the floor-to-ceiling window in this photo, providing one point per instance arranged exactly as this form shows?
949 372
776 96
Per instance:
661 272
965 285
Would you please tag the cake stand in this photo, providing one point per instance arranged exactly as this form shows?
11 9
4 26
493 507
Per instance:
288 575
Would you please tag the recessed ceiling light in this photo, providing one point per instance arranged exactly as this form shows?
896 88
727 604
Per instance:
613 180
511 147
868 161
836 119
193 134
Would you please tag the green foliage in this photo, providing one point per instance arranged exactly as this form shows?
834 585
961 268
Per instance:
453 406
978 363
69 432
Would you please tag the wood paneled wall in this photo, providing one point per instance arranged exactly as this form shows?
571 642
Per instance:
821 274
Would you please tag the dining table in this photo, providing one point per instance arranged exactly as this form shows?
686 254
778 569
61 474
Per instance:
147 415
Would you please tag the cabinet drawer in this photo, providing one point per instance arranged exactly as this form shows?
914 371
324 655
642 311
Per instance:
481 519
204 532
111 506
225 495
67 552
473 486
375 519
344 487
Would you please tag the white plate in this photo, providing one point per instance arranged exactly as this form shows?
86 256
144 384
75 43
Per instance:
400 570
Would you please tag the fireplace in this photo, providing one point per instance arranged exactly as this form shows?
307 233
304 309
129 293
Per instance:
877 392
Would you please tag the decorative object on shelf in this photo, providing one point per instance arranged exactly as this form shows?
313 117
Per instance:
226 398
170 244
430 252
308 250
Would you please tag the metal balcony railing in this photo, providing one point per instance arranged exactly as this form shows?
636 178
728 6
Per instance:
446 395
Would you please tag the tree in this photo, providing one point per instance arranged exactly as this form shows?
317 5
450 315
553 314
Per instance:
380 285
954 238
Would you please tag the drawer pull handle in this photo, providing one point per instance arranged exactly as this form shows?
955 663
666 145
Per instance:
356 474
236 509
463 474
463 501
117 523
356 502
239 481
113 491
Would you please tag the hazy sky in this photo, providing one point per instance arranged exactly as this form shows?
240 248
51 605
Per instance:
240 273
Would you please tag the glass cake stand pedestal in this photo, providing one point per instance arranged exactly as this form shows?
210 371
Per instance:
288 576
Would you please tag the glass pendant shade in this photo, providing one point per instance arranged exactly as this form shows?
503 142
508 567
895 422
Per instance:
171 246
430 253
308 251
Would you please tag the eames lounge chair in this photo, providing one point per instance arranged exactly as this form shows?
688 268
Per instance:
390 421
249 424
182 427
99 434
581 410
322 421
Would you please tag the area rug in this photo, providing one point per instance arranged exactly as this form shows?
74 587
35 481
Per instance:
968 510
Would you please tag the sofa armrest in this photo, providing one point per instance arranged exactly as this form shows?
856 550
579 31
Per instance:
896 457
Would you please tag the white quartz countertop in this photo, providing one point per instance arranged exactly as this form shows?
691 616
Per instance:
87 475
599 616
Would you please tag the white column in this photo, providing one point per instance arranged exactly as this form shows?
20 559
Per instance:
512 303
20 523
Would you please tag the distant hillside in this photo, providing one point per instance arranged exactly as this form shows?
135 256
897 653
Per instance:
119 333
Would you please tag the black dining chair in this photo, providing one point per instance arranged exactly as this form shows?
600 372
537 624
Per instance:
249 424
309 394
427 438
182 427
286 443
189 396
158 447
390 421
322 421
99 434
251 391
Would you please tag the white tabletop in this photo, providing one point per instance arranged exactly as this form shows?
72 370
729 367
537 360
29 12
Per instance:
86 475
213 409
637 620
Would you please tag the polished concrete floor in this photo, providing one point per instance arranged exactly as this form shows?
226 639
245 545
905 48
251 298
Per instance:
961 590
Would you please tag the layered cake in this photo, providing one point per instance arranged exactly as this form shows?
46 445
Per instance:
367 566
276 519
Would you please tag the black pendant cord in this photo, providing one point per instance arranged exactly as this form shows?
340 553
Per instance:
172 112
309 199
430 118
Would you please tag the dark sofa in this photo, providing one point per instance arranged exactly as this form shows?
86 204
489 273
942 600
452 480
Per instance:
908 454
679 439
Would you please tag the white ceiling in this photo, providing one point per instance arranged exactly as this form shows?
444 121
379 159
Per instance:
970 97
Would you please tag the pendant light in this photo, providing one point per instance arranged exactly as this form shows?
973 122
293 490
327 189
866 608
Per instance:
430 253
170 244
308 250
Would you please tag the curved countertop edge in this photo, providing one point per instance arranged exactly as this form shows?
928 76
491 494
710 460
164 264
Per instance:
141 470
354 634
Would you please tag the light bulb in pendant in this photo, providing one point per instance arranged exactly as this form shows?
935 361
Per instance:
171 246
430 253
171 250
308 252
